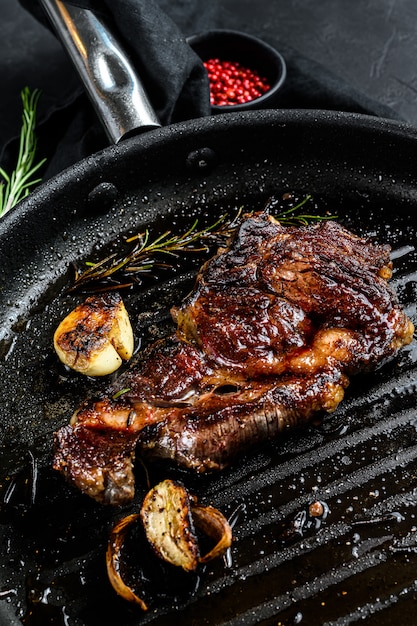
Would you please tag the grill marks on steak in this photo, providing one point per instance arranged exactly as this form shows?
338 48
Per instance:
276 323
215 430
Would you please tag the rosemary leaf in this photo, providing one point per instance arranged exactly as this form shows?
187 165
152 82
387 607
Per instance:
17 185
146 255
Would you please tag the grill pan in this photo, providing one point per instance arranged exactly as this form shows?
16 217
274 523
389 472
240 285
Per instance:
358 564
361 461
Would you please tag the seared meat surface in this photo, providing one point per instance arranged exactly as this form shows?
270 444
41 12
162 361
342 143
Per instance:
276 323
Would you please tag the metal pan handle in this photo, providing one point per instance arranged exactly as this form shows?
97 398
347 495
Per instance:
106 71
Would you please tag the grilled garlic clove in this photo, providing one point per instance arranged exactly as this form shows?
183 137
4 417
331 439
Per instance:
96 336
166 517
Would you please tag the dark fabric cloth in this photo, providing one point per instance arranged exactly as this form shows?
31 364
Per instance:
173 75
68 129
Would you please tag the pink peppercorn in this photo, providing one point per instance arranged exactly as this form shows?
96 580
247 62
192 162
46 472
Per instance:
232 83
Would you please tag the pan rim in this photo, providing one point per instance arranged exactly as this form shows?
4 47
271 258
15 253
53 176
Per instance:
359 122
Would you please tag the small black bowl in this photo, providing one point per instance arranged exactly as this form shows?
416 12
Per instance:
250 52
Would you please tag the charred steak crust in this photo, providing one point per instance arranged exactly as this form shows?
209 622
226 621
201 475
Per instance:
276 323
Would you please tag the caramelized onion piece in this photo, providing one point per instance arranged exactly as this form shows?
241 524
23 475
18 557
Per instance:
166 517
212 523
114 547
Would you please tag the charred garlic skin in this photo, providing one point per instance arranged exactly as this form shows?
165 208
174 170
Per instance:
96 337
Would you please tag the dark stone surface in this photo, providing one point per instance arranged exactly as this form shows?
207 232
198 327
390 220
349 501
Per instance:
370 43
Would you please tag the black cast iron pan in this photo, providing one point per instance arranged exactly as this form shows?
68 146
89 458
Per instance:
358 563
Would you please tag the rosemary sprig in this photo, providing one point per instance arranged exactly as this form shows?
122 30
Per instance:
16 186
117 272
292 216
146 255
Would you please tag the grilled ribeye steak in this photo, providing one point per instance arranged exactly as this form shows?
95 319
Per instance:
275 325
